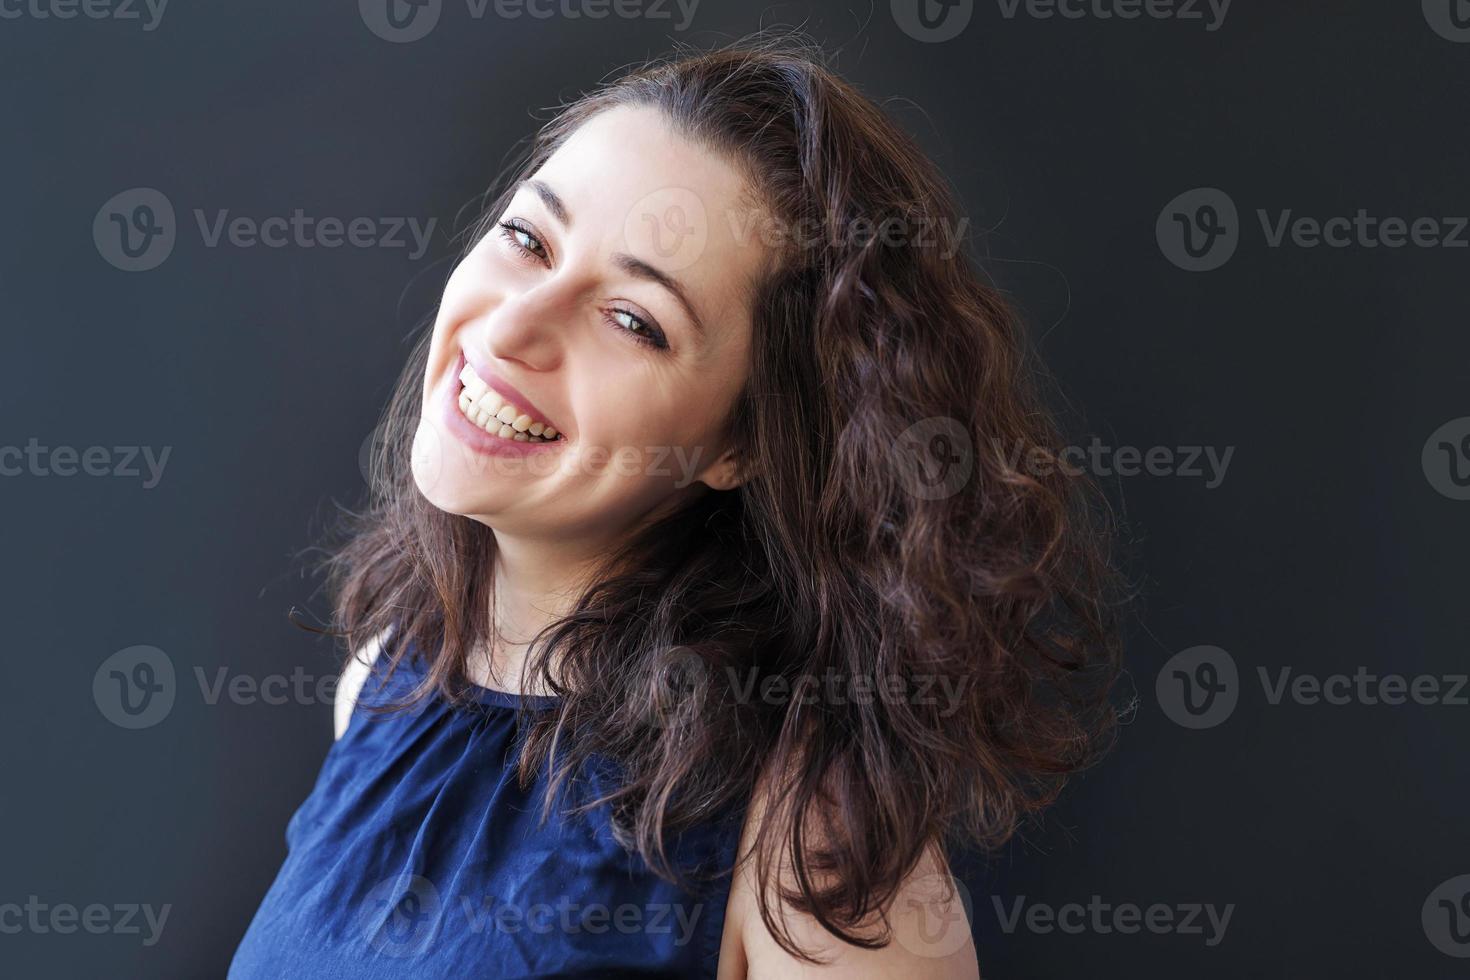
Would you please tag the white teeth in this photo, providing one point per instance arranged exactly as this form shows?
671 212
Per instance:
483 405
472 382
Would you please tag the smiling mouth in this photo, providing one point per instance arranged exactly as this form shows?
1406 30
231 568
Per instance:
485 407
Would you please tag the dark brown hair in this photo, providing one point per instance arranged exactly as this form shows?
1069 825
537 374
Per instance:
841 556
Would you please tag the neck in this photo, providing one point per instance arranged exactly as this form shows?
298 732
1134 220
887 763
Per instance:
535 583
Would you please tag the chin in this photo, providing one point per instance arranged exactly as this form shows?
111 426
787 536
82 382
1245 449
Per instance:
460 494
440 477
444 498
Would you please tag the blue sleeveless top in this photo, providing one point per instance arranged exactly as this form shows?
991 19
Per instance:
418 855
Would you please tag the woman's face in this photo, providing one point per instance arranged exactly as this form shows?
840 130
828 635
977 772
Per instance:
612 300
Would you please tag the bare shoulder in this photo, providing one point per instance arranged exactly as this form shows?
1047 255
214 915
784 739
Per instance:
349 685
930 935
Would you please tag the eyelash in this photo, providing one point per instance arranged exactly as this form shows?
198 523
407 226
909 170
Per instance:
656 341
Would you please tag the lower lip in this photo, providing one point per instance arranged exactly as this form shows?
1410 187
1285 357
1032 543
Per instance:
477 438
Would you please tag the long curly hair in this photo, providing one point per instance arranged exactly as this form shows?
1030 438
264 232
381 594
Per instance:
907 528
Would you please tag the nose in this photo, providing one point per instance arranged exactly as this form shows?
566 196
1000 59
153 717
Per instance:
524 325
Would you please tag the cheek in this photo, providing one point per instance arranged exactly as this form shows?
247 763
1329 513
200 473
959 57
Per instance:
471 290
631 443
627 406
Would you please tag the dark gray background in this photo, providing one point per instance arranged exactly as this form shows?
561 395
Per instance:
1326 548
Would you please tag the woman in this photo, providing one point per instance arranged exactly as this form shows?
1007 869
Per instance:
712 609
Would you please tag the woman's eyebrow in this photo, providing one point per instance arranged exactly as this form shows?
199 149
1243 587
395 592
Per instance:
549 198
629 264
638 268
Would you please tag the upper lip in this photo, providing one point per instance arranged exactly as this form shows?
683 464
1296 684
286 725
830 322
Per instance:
510 393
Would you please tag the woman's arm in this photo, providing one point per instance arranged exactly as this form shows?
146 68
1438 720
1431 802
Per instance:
930 931
349 685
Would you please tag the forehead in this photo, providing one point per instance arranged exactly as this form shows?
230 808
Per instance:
631 183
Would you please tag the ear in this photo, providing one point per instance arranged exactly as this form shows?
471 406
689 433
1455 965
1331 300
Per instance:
725 473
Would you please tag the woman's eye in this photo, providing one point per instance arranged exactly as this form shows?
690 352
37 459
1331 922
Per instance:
640 329
522 239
